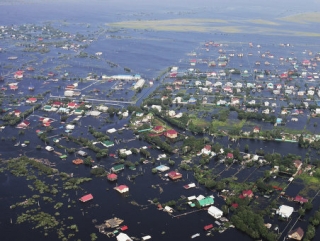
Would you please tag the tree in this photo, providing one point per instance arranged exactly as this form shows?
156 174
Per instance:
210 183
98 171
308 205
301 212
246 148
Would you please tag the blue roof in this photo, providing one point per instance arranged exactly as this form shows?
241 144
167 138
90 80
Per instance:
279 120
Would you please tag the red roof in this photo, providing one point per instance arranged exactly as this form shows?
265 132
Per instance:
300 199
247 193
112 176
19 72
229 155
25 122
72 104
174 175
158 128
207 147
32 99
235 205
122 187
172 132
124 227
207 227
86 198
57 103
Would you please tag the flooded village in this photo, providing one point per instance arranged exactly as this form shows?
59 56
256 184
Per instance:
219 140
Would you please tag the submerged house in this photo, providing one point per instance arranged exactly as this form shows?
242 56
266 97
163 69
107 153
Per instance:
162 168
122 188
300 199
112 177
285 211
123 237
205 202
296 234
171 134
173 175
86 198
215 212
107 143
117 168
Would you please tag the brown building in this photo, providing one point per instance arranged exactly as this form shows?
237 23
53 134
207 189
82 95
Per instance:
296 234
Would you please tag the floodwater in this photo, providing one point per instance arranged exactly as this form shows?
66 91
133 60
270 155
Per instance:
145 52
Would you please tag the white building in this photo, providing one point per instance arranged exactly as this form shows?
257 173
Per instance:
215 212
123 237
126 77
162 168
49 148
69 127
102 108
285 211
157 107
139 84
68 93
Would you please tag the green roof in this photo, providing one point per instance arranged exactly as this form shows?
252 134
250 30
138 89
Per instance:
192 205
107 143
118 168
207 201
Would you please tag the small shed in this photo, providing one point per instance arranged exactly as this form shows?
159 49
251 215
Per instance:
82 153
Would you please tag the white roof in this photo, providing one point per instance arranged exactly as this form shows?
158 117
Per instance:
215 212
285 211
70 127
123 237
200 197
94 113
192 198
146 237
112 130
162 168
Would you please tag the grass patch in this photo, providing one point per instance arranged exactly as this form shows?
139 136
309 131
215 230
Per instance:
198 121
262 21
220 25
309 180
230 124
303 18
